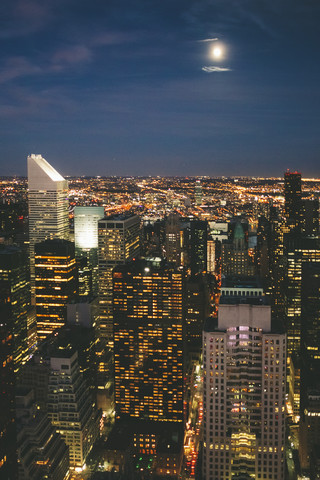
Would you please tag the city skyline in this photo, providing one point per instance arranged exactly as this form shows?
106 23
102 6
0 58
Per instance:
132 88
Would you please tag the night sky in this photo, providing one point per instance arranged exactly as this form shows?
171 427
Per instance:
130 87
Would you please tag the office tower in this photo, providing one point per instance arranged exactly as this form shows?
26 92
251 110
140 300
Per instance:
119 242
309 432
298 251
8 460
70 406
198 246
14 271
48 206
198 193
211 255
197 310
173 239
244 360
86 243
148 341
41 451
310 216
292 199
235 258
310 322
55 283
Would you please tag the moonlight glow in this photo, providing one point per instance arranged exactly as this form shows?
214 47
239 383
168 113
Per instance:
217 52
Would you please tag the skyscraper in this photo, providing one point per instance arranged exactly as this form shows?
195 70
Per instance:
292 199
14 273
8 460
298 251
244 395
70 406
119 242
48 206
148 341
86 243
172 239
56 283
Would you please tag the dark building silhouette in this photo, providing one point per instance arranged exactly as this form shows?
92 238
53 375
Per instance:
41 451
8 460
292 199
198 246
310 216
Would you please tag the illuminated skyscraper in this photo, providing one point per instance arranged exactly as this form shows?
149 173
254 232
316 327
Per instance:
70 406
14 272
86 243
244 361
173 239
198 193
119 242
86 226
298 251
148 342
48 206
235 259
56 283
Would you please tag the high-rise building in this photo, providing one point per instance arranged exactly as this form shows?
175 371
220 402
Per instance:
198 193
310 322
14 271
244 360
292 199
56 283
173 239
8 459
41 451
298 251
310 216
119 242
148 341
86 243
198 246
197 310
70 407
235 258
48 206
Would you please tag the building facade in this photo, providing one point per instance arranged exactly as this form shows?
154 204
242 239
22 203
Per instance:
148 342
119 242
244 363
48 206
55 284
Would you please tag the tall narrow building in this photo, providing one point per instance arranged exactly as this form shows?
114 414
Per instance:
292 199
56 284
119 242
14 273
48 206
244 360
8 458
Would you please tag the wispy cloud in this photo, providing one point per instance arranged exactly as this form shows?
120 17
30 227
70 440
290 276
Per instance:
205 40
71 55
18 67
211 69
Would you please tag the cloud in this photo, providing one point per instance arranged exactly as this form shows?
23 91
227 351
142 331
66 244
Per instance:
71 55
18 67
211 69
208 40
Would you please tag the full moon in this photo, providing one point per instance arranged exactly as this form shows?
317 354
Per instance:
217 52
